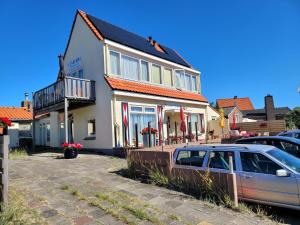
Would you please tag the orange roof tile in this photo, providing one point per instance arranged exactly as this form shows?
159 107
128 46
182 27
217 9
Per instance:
15 113
125 85
90 25
241 103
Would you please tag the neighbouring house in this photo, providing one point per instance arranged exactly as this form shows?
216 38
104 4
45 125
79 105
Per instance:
231 112
269 112
21 130
241 103
212 114
116 83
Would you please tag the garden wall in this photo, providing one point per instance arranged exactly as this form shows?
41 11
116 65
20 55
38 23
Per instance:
145 160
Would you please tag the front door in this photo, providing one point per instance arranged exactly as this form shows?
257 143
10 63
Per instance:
259 180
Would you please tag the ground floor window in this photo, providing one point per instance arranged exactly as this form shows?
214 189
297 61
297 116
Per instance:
140 115
92 127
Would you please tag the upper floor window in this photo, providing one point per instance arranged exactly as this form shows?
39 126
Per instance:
114 63
156 74
168 77
136 69
180 82
144 71
130 68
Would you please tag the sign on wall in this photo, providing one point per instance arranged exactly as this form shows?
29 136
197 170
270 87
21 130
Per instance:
75 68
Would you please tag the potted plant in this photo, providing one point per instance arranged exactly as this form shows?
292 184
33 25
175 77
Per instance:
4 123
145 133
71 150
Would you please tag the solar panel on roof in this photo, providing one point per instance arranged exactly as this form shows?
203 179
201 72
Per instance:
132 40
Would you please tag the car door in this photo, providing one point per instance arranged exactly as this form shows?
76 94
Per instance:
260 182
218 162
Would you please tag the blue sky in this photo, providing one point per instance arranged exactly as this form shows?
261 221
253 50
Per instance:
242 47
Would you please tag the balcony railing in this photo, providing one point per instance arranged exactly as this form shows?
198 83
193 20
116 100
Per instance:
70 87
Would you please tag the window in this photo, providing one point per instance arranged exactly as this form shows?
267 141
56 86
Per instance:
168 77
48 132
190 158
291 148
187 78
114 63
91 127
130 68
194 83
136 108
150 109
220 160
193 120
258 163
140 115
144 71
156 74
180 79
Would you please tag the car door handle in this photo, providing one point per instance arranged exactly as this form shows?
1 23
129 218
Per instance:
247 176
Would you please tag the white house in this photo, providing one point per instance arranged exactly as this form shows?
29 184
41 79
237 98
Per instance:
117 81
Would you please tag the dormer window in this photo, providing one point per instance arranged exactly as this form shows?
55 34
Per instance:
130 68
156 74
114 63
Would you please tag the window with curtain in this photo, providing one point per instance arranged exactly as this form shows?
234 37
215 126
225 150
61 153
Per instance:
187 78
114 63
194 83
144 71
141 118
180 82
168 77
91 127
193 119
156 74
130 68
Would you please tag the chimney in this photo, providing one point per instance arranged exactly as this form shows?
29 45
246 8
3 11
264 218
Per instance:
269 107
26 103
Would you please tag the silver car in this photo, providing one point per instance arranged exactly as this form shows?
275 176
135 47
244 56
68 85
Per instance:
265 174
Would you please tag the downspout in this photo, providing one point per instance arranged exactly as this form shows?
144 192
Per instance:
105 52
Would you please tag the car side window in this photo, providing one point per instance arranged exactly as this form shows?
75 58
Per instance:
258 163
297 135
220 160
190 158
261 142
290 148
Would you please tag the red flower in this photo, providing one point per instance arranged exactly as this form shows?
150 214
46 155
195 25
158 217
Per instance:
69 145
4 121
152 131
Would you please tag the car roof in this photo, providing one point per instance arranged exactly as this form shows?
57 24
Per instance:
228 147
282 138
290 131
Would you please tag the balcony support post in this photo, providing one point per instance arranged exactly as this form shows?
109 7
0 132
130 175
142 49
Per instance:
66 121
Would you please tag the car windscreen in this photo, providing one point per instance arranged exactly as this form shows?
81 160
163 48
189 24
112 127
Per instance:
285 158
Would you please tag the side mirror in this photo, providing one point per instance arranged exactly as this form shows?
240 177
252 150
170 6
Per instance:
282 173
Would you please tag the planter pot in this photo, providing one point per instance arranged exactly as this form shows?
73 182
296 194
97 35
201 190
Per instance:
146 140
70 153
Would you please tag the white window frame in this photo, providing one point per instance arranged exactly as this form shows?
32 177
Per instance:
143 112
149 71
109 65
163 76
161 82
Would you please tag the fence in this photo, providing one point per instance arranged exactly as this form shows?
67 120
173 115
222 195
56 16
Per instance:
272 126
4 142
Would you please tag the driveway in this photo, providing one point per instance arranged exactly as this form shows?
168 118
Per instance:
89 190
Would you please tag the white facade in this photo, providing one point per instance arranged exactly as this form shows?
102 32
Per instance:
95 126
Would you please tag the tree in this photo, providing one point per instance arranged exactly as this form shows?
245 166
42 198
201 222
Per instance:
292 119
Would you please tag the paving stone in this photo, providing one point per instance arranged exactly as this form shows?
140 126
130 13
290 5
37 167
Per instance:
173 204
98 213
82 220
49 213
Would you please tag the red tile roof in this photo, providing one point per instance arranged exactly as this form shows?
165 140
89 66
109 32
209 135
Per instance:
241 103
15 113
131 86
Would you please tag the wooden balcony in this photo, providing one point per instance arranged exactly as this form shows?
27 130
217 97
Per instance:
78 92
